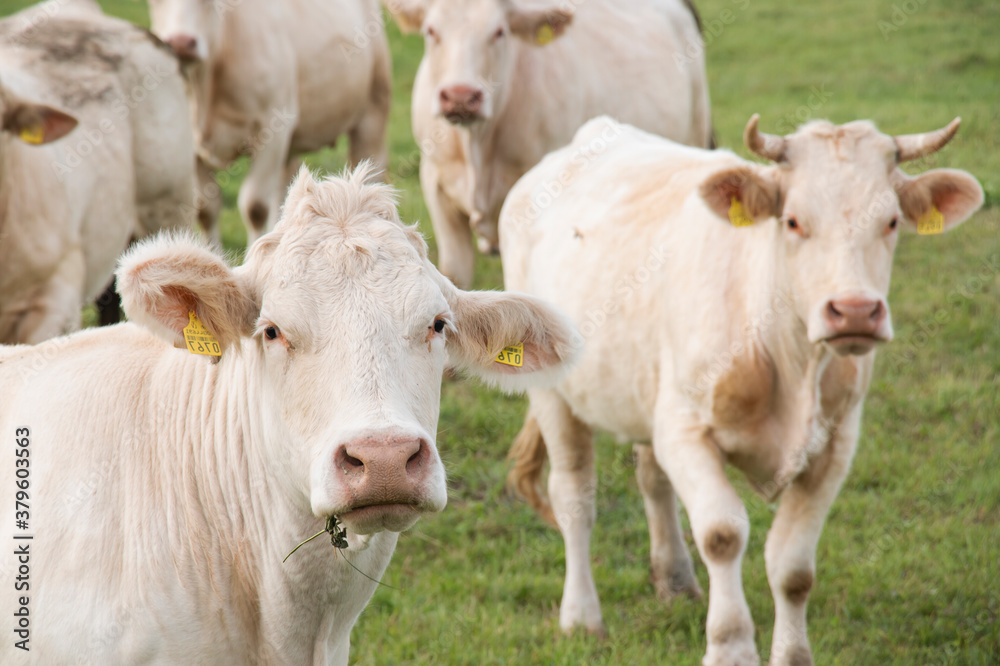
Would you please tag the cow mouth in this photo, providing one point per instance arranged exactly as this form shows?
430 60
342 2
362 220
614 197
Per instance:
463 118
380 518
853 344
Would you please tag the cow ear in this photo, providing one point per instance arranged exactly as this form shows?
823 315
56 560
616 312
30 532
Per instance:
743 194
538 26
938 200
408 14
538 342
36 123
164 279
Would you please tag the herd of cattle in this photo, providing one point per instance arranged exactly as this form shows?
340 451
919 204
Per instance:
711 309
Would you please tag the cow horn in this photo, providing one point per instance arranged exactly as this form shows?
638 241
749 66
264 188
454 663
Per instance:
912 146
767 146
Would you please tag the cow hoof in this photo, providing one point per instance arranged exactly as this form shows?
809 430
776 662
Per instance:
797 656
598 631
670 587
487 246
731 654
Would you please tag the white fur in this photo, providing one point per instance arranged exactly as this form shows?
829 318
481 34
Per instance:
166 488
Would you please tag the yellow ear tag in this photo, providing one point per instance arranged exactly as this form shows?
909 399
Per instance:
931 223
512 355
33 135
737 215
199 340
544 34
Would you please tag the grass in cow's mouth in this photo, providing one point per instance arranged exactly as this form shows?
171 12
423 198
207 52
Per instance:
338 539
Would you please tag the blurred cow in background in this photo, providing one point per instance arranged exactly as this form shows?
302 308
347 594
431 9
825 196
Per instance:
492 95
718 345
69 207
272 80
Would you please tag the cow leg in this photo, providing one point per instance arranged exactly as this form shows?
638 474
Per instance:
721 528
456 259
572 487
670 561
109 305
208 201
261 193
56 311
790 552
368 136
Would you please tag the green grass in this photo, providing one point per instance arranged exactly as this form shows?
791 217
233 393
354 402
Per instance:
909 564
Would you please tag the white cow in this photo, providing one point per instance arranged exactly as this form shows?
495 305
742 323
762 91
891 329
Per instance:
164 490
492 96
747 346
273 80
126 169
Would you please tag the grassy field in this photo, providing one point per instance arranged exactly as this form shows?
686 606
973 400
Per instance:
909 564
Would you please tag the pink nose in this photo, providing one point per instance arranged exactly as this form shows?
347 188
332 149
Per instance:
384 469
185 46
461 104
855 316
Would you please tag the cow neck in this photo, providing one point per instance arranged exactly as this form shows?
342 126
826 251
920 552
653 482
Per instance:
797 364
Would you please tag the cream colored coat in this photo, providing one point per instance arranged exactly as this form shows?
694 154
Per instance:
715 344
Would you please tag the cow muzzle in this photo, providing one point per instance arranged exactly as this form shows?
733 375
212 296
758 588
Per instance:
387 480
185 47
855 324
461 105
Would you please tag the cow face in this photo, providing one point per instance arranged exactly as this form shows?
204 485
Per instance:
339 329
189 27
470 47
839 200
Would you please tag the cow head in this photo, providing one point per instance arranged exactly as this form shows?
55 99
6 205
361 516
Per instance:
470 48
33 122
838 200
190 27
338 329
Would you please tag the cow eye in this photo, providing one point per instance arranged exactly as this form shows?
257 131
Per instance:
432 33
793 224
895 221
271 332
499 33
439 325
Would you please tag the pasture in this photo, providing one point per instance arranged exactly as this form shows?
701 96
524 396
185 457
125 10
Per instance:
908 568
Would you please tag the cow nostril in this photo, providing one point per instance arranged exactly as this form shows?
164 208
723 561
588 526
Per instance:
352 461
476 97
415 461
876 312
832 311
444 96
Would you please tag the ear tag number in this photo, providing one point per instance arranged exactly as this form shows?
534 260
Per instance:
737 215
34 135
199 340
931 223
544 34
512 355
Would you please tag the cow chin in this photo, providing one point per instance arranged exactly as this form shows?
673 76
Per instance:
380 518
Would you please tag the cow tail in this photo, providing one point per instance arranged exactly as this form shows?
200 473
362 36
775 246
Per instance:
529 455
